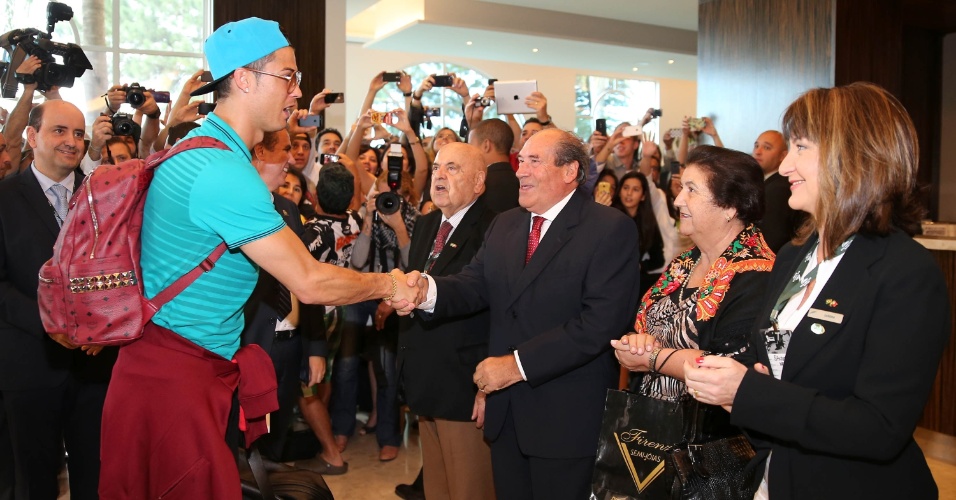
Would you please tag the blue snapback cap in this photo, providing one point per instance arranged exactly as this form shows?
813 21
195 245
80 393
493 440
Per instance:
237 44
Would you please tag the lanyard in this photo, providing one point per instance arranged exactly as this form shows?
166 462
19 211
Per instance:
798 282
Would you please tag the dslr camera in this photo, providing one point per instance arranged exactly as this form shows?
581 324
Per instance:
135 96
23 43
390 201
123 124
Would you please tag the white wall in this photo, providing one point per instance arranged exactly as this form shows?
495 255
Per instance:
678 97
947 153
334 60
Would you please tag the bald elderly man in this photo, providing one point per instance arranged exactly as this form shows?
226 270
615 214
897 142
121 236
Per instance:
437 358
779 222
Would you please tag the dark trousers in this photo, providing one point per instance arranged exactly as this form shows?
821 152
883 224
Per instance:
522 477
286 355
6 457
40 421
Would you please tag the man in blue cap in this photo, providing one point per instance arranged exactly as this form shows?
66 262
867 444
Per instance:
167 408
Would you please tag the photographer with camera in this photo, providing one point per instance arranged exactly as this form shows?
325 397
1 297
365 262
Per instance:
383 244
16 121
146 114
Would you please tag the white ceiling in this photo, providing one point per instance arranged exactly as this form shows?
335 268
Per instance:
671 13
611 36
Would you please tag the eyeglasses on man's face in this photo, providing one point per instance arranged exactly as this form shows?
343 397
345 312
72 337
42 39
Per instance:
293 80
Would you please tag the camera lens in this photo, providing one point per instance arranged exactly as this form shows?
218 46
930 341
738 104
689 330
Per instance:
135 98
388 203
123 125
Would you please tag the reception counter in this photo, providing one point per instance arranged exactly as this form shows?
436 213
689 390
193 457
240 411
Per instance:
940 412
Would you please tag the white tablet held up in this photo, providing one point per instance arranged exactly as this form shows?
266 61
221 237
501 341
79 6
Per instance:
510 96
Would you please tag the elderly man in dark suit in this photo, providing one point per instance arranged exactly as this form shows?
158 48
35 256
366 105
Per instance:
560 278
437 358
52 392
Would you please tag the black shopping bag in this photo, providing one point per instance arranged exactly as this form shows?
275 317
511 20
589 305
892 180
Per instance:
636 434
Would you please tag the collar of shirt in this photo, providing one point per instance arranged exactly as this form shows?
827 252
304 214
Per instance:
550 214
46 183
215 127
455 219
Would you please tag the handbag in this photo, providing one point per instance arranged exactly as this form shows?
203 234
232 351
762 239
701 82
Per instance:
636 433
651 448
711 463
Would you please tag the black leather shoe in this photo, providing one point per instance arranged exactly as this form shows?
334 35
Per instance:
408 492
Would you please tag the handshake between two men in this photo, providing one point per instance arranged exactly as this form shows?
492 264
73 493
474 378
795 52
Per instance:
411 290
493 373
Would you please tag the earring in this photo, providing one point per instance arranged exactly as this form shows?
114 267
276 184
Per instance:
728 218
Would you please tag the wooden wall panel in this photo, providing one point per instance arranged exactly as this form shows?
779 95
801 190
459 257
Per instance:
868 42
922 95
755 57
303 22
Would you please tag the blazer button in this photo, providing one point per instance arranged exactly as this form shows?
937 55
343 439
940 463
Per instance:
512 348
514 314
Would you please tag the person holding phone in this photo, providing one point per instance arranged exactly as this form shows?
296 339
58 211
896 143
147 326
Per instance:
831 413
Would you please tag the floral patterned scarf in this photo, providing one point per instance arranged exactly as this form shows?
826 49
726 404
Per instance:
748 252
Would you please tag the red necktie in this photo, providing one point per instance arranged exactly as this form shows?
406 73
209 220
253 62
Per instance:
534 236
443 231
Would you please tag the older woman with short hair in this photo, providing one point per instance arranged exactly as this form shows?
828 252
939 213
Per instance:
856 316
708 298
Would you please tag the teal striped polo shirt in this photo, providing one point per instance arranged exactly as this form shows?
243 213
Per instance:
198 199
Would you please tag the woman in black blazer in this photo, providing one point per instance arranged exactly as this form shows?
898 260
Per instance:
856 318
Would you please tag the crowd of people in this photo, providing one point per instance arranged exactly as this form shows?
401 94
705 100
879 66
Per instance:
498 279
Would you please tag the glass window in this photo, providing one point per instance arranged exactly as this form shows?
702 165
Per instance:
442 98
616 100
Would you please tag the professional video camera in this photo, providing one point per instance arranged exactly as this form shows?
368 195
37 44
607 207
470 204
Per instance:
22 43
390 201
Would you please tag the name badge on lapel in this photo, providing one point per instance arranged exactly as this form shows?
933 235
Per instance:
830 316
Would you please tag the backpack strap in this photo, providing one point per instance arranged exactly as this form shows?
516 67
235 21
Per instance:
187 279
184 145
209 262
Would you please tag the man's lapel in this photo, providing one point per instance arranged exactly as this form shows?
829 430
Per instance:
558 234
38 202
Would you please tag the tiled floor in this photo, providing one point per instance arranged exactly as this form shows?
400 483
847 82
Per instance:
369 479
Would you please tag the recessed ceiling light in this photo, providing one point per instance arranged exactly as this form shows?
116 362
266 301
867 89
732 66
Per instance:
468 42
634 68
670 61
534 50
